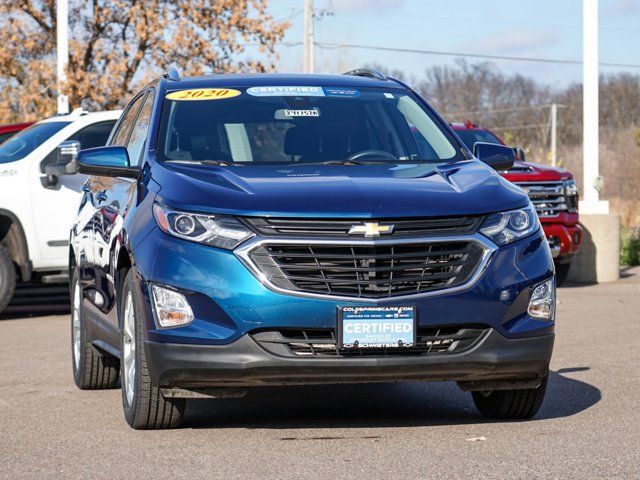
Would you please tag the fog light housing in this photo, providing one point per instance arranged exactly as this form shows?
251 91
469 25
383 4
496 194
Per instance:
542 304
170 307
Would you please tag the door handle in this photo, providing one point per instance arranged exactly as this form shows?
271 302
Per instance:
101 196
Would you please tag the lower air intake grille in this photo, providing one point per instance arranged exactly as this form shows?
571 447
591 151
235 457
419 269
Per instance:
368 271
323 343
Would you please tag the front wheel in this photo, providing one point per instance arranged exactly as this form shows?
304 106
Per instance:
92 370
144 406
516 404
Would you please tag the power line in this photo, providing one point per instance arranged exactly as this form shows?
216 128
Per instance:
469 55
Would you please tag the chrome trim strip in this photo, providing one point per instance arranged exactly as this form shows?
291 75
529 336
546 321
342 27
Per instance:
244 250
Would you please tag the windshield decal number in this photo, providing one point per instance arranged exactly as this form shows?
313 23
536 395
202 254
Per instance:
203 94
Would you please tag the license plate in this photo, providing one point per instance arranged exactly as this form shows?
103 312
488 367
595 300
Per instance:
375 327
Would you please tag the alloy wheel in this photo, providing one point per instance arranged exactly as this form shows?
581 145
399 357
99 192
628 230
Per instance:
129 348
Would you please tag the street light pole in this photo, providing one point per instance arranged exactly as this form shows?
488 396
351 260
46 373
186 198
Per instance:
308 37
554 135
62 52
590 142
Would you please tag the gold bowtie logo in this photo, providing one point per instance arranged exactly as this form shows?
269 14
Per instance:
370 229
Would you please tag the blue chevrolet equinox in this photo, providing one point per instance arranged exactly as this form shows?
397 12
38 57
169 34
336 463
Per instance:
241 231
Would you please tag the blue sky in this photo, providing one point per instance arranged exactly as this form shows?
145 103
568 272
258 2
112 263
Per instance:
540 28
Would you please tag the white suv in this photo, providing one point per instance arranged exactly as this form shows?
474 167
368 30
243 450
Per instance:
39 195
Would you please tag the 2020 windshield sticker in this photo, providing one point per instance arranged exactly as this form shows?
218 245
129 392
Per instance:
301 113
203 94
286 91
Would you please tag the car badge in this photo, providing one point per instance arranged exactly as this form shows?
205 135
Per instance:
370 229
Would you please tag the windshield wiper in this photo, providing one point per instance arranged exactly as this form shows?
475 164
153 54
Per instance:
221 163
332 162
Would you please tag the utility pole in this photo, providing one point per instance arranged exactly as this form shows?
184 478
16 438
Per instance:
554 128
590 141
62 51
308 37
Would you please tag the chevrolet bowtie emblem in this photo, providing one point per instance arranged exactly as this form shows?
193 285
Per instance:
370 229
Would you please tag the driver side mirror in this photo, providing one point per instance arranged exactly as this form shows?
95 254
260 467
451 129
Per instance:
499 157
520 155
65 163
107 162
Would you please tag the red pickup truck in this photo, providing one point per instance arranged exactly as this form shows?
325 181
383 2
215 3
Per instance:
8 131
552 190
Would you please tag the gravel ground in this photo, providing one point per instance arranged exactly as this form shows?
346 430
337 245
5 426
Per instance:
588 426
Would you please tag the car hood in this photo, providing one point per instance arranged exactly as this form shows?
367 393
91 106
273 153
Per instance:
536 172
360 191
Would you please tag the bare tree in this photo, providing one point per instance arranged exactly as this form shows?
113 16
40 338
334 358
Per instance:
116 45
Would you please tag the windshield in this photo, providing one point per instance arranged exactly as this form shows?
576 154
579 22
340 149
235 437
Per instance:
470 137
300 124
25 142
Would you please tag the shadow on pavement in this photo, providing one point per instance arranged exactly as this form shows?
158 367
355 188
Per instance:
373 405
38 300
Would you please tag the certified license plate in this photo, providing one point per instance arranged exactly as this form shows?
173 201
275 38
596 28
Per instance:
375 327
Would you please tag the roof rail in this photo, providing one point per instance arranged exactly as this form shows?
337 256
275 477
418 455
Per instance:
171 74
366 72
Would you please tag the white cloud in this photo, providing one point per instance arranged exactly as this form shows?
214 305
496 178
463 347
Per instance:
622 7
512 42
367 5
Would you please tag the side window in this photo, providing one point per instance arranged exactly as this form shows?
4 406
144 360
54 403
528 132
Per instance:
122 134
94 135
139 132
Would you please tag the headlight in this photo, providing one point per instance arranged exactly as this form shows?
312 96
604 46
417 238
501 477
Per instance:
572 195
215 230
542 305
507 227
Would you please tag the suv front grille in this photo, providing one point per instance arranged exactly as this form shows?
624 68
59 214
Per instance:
373 270
339 228
323 342
547 197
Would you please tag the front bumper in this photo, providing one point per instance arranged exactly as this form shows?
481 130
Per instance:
564 238
243 363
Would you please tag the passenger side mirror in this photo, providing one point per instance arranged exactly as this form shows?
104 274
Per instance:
65 163
520 155
107 162
497 156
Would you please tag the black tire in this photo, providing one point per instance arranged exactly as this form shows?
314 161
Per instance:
147 409
7 278
92 369
511 404
562 272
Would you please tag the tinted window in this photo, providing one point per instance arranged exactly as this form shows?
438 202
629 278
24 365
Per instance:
126 122
139 132
6 136
256 125
95 135
26 141
470 137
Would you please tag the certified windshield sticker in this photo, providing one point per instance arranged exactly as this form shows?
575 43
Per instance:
388 95
341 92
203 94
286 91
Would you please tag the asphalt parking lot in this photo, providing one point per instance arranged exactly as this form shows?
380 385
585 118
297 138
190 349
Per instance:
589 426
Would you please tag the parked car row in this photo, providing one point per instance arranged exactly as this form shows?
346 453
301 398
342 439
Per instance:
235 231
39 195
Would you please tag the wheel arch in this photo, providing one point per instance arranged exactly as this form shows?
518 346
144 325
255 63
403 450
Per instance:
12 236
